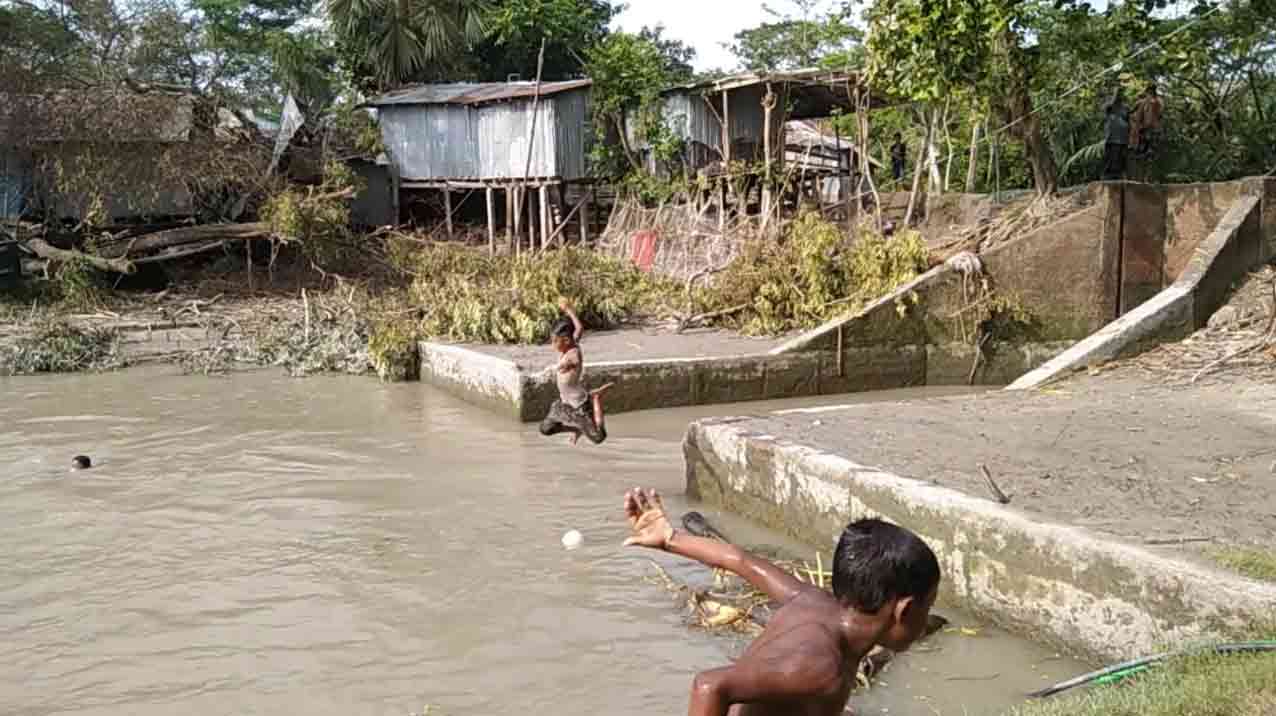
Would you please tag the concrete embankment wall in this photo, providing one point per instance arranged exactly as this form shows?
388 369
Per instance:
1059 278
1193 285
1076 590
1136 249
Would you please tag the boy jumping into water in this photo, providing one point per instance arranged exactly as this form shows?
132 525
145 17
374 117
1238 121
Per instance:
571 413
884 583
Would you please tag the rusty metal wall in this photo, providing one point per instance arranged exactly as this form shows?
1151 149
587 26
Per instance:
502 131
431 142
436 142
575 134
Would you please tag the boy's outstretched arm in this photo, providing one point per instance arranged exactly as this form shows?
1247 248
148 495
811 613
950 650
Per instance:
652 529
579 328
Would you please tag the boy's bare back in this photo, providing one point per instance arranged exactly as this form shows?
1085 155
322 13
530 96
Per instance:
806 659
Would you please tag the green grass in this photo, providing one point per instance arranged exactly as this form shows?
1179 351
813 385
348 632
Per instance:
1238 685
1253 563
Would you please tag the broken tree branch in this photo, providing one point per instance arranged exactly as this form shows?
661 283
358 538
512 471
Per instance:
42 249
188 235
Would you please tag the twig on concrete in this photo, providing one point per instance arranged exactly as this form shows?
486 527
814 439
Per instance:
997 494
1176 540
686 323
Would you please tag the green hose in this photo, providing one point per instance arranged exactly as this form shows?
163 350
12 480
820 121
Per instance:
1122 671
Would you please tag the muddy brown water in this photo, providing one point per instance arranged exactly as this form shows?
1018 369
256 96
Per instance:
260 544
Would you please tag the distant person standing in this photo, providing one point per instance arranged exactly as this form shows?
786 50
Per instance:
1116 139
898 154
1145 122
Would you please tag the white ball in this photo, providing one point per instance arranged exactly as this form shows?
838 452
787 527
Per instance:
573 539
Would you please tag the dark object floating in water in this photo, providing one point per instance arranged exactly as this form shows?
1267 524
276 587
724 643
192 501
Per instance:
1112 674
81 462
696 524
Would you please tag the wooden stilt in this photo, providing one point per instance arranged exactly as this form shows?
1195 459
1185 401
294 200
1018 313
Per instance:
722 205
562 206
518 219
509 219
545 230
491 222
529 197
447 208
584 220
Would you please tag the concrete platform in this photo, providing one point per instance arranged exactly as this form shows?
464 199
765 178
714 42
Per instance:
653 369
1104 477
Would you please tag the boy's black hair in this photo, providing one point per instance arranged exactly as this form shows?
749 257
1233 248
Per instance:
876 562
563 329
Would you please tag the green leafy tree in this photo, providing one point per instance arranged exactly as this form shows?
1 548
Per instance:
629 72
679 57
386 43
516 29
807 36
929 51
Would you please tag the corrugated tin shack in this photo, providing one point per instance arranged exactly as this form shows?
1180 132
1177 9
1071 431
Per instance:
727 121
524 140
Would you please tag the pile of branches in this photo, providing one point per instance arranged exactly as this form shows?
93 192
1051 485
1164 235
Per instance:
56 346
1241 336
465 294
812 273
1019 219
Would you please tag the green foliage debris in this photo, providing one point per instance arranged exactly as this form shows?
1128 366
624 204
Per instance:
467 295
59 347
812 274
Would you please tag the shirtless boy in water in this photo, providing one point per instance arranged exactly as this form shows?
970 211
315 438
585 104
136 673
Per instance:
884 583
576 412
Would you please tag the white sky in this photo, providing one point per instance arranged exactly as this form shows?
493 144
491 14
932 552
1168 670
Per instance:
703 24
707 24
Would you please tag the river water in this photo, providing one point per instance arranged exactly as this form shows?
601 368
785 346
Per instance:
260 545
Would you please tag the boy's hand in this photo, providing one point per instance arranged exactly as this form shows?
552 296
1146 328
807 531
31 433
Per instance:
647 519
564 304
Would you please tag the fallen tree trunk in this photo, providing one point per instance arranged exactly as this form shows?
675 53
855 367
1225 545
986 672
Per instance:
42 249
188 235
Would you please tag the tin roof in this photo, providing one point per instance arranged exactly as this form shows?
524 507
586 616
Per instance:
470 93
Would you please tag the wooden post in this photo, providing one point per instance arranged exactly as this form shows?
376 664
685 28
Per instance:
768 104
584 220
562 204
726 130
518 218
545 230
491 222
722 204
447 208
529 198
509 219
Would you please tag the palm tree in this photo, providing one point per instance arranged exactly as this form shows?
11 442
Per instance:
397 39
